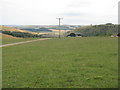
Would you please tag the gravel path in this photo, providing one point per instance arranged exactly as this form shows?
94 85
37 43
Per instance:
21 42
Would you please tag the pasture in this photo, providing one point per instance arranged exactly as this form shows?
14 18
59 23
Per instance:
88 62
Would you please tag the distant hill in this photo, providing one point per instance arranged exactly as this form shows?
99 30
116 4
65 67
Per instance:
62 27
44 27
6 28
98 30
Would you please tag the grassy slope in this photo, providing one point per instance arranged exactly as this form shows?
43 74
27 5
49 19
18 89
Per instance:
6 39
5 36
70 62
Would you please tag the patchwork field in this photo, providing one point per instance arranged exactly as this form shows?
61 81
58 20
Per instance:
55 32
88 62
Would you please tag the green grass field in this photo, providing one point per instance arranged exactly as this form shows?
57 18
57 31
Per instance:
88 62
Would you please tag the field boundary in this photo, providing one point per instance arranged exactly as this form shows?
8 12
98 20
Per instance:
11 44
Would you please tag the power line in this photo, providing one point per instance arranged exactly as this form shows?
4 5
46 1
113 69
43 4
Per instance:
59 25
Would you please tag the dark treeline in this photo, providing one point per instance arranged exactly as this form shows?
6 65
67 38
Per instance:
98 30
20 34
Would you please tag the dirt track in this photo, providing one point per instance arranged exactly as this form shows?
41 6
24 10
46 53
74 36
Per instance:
21 42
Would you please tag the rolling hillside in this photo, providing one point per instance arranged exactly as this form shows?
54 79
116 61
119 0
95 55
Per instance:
17 32
98 30
6 28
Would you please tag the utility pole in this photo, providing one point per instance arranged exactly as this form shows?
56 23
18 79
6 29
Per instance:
59 25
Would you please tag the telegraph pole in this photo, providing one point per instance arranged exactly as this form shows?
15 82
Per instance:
59 25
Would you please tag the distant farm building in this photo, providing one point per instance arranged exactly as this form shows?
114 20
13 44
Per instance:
118 35
74 35
114 36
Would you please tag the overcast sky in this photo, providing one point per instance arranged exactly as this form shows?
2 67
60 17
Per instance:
45 12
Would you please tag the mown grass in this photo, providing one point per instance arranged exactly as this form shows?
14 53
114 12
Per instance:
89 62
